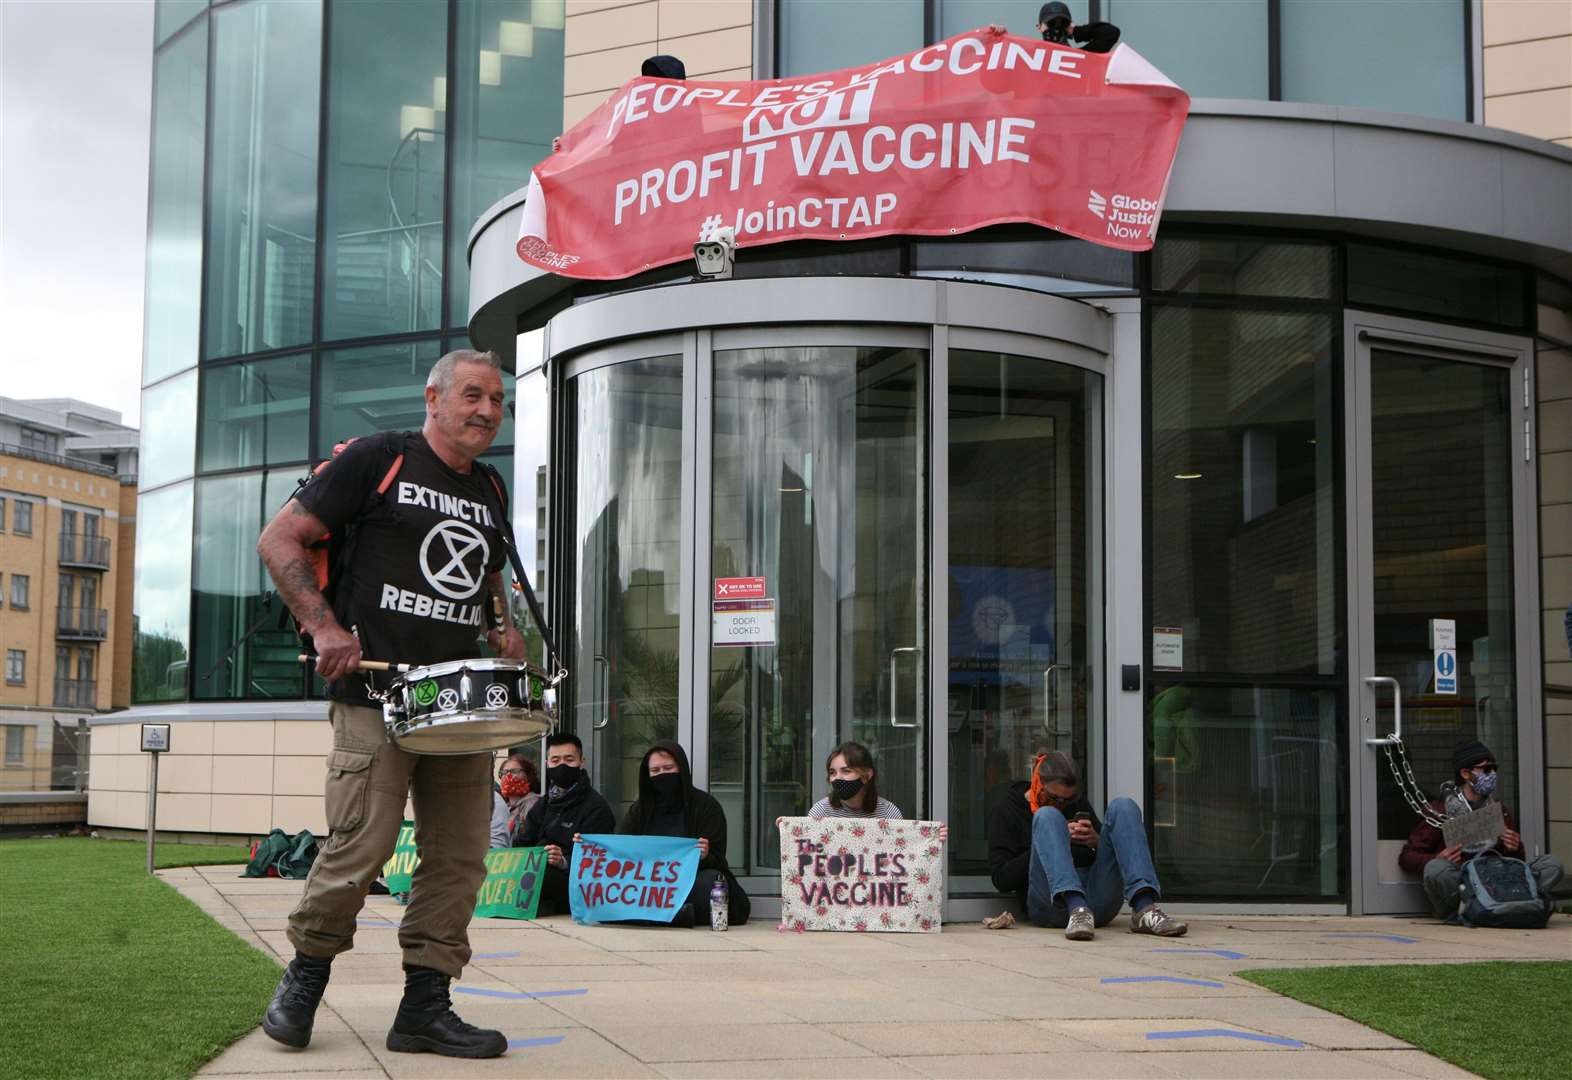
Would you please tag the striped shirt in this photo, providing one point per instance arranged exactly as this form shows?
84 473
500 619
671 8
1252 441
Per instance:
885 809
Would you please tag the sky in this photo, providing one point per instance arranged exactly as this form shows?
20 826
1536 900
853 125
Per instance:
75 88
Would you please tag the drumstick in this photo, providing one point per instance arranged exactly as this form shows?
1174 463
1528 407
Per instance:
369 665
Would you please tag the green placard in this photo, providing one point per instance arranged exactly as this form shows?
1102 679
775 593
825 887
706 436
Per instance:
398 870
512 886
513 877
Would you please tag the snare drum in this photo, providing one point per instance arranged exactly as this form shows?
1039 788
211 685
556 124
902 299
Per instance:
467 706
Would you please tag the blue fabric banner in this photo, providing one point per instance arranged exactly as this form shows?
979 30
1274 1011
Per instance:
616 878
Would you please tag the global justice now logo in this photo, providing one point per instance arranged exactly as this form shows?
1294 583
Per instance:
1128 217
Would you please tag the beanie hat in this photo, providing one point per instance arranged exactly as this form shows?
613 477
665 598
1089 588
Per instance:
1468 753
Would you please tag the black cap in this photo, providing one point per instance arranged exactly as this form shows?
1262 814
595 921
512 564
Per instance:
1053 9
664 67
1468 753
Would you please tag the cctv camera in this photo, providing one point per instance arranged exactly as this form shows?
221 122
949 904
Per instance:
713 255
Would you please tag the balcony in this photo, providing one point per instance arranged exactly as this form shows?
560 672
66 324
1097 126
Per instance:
84 550
76 693
82 624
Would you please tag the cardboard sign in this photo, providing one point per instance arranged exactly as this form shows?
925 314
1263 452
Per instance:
742 622
975 130
861 874
616 878
511 889
1484 826
399 870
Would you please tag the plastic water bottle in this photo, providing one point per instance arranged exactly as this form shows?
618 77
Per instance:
720 896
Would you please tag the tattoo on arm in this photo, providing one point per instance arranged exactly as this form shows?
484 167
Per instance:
297 584
497 588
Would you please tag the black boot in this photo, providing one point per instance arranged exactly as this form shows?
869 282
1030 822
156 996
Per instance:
294 1006
426 1021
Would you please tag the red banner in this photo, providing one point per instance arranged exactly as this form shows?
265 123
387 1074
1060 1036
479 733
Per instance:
976 130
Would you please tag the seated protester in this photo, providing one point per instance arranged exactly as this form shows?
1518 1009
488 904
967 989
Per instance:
1441 867
1073 871
571 806
853 790
669 805
501 835
520 789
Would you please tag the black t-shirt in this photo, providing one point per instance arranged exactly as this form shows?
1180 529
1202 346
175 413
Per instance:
416 588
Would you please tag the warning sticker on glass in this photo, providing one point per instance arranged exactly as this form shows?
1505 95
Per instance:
742 622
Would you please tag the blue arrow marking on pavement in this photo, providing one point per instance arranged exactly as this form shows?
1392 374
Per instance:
1226 954
545 1040
522 995
1165 978
1224 1033
495 955
1399 938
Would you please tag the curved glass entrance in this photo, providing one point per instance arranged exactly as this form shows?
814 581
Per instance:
778 538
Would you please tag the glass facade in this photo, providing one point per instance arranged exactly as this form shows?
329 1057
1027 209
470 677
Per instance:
313 320
1406 56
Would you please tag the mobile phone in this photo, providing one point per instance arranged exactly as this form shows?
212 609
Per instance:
1083 816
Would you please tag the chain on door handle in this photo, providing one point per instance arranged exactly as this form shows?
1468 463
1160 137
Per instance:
1397 711
1051 699
894 683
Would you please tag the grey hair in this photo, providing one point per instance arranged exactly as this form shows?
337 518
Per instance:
441 377
1058 768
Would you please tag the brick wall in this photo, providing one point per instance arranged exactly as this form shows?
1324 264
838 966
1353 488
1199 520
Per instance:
29 815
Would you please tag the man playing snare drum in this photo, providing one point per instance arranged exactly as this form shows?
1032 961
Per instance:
422 562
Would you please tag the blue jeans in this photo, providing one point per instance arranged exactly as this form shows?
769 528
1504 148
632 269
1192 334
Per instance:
1123 866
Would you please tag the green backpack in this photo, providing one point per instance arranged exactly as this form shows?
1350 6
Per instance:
282 855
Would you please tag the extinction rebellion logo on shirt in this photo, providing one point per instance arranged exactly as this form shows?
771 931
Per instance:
452 559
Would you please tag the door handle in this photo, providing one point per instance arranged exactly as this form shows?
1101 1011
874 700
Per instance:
1397 710
894 683
1051 699
600 725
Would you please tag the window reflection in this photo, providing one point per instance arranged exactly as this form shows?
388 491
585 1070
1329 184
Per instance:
162 605
627 540
174 207
1212 48
229 584
823 35
168 430
262 187
383 224
506 108
1407 55
256 413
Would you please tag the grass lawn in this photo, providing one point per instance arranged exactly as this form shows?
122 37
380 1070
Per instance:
107 972
1506 1020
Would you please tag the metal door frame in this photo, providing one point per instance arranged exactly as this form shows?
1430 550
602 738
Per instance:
1363 332
930 314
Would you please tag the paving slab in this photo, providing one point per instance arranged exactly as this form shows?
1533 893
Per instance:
755 1002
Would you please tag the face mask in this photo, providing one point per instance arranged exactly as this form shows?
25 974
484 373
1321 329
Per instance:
1484 784
666 785
846 789
563 776
514 786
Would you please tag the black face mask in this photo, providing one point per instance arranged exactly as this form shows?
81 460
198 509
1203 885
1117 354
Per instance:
846 789
666 785
563 776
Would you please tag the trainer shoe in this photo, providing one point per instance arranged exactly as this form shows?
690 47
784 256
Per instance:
1080 925
1154 921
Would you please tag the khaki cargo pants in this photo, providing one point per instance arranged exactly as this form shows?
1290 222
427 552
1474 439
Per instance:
368 779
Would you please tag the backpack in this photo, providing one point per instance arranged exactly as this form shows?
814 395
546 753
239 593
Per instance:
1502 893
282 856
